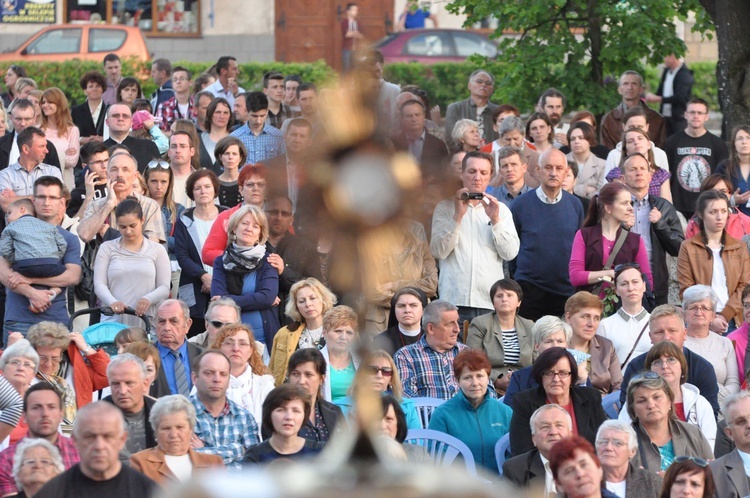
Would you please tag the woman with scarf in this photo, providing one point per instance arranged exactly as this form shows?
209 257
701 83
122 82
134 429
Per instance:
243 273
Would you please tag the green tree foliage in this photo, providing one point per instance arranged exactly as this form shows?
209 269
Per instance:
579 46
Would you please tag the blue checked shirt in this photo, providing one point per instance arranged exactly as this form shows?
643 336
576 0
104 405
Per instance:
425 372
229 435
267 145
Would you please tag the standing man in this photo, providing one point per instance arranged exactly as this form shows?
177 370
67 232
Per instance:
477 107
414 16
201 100
693 154
179 105
351 34
291 82
240 111
674 93
656 221
226 84
428 151
181 152
472 234
223 427
261 140
113 72
426 367
512 171
730 474
177 354
161 74
94 157
307 96
120 121
22 116
287 171
42 410
99 434
547 220
273 87
552 103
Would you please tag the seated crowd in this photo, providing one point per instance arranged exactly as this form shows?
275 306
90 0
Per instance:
526 300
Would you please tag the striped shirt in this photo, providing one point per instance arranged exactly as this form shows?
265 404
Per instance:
511 348
425 372
229 435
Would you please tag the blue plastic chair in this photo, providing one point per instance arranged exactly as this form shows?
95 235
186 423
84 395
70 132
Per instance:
425 407
443 449
611 404
501 451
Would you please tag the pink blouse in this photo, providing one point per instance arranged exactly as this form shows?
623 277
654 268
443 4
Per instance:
579 276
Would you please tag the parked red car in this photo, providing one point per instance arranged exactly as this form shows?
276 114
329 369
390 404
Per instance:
429 46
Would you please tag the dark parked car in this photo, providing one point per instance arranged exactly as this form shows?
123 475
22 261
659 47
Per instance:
429 46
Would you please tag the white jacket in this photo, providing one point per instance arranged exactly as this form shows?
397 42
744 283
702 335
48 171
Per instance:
613 159
698 412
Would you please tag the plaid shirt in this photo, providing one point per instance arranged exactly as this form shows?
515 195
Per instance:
267 145
426 373
68 452
168 111
229 435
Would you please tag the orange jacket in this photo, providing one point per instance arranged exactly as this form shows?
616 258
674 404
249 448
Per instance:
88 376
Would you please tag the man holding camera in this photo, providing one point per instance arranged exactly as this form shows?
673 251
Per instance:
471 236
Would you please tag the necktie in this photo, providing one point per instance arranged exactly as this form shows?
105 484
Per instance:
180 376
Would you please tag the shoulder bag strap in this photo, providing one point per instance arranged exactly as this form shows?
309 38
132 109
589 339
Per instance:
616 249
634 345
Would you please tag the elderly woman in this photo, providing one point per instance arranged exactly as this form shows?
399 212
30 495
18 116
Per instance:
379 372
699 303
473 415
252 181
716 259
250 380
19 363
616 444
340 331
591 169
244 274
583 311
548 332
504 336
173 460
466 135
556 372
689 477
284 413
309 300
308 368
35 462
74 368
628 328
577 470
660 435
668 360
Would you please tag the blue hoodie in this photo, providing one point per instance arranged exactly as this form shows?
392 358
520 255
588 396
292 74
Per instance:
479 428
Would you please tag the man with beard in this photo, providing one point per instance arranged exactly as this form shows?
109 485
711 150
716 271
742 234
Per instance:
552 103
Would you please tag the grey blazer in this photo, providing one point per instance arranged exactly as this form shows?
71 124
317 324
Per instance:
729 476
467 109
686 438
640 483
485 335
605 375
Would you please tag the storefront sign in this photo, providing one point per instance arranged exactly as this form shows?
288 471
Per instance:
28 11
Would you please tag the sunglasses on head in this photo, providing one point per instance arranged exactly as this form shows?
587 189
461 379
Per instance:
158 163
646 375
698 461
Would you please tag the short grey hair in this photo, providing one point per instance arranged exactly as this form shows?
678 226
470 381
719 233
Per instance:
548 325
123 358
545 408
629 72
732 400
512 123
223 301
477 72
25 445
664 310
183 306
616 425
20 349
461 127
169 405
433 312
696 293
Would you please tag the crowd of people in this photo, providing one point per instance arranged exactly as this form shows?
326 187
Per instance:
576 289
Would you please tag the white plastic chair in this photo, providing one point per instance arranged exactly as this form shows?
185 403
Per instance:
425 407
443 449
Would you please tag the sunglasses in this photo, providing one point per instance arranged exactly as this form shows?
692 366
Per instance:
627 266
386 371
158 163
698 461
645 375
217 324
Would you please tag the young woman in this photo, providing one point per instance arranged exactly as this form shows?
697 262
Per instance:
738 223
539 131
131 271
11 76
688 477
57 124
594 243
716 259
284 412
737 168
231 155
637 140
159 181
591 169
218 122
128 90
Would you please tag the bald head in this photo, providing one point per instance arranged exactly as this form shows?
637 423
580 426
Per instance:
553 167
100 410
404 97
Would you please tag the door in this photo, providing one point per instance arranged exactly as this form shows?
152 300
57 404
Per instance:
308 30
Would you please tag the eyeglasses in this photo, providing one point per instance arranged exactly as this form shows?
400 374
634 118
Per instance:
50 359
232 344
602 443
386 371
278 212
47 197
669 361
31 462
698 461
695 308
563 374
158 163
20 363
217 324
255 184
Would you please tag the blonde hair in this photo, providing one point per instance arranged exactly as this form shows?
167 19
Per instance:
234 221
325 295
360 377
50 335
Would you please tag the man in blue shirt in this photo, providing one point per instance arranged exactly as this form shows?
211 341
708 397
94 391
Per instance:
415 16
261 140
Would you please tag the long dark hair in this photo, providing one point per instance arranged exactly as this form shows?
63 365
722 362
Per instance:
543 117
703 201
605 197
733 161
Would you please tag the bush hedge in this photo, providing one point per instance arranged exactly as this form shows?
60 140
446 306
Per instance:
445 83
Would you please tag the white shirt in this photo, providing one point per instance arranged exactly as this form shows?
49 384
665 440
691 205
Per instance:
613 159
471 253
745 461
15 152
668 91
549 481
543 197
181 466
719 280
219 91
617 488
622 329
